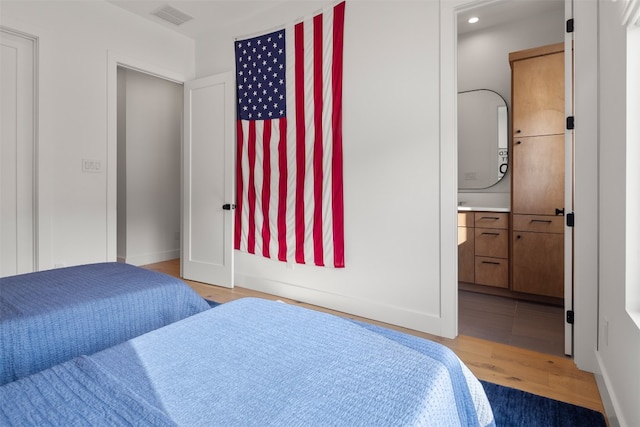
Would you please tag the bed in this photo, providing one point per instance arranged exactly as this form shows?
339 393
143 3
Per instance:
255 362
52 316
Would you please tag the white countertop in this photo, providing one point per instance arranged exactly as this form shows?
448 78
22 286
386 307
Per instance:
483 208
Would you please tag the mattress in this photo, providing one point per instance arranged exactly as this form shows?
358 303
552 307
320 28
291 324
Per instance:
53 316
254 362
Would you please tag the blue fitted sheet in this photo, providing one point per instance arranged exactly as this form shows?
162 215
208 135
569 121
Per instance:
52 316
256 362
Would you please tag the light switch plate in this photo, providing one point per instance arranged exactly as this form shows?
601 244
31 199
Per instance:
91 166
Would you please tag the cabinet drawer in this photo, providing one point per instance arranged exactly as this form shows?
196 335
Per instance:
465 219
492 220
492 242
538 223
492 272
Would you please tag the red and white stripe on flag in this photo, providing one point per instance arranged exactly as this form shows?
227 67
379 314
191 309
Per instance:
289 132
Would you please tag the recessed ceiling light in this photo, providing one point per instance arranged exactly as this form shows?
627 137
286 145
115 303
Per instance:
473 20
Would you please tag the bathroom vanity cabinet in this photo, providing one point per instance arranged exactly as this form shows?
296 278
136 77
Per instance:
483 248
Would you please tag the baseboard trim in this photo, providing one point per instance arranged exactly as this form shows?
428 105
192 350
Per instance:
152 258
609 401
385 313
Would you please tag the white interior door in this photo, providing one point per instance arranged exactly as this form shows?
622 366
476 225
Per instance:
208 180
17 154
568 183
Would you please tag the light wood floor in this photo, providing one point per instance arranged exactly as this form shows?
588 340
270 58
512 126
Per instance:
547 375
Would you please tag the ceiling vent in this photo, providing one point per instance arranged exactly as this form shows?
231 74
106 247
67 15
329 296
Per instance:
173 15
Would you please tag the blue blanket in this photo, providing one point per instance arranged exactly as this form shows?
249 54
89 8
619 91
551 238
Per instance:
53 316
257 362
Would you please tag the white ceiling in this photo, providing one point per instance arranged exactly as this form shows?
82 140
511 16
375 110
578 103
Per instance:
502 12
214 15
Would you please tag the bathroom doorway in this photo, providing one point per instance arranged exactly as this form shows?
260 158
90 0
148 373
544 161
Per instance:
483 63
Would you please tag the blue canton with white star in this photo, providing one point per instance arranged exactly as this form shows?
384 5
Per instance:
260 77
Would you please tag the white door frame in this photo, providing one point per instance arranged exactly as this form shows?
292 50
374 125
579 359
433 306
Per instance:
35 262
115 60
568 182
448 111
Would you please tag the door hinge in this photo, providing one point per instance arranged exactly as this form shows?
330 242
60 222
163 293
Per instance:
228 206
570 25
570 317
571 219
570 122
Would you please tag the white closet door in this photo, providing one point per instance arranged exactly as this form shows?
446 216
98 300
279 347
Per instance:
208 180
17 154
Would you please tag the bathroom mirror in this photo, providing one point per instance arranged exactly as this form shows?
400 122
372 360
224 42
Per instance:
483 149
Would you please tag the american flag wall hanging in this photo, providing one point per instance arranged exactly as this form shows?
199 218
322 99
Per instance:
289 139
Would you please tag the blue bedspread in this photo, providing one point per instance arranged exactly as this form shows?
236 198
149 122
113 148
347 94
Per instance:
53 316
256 362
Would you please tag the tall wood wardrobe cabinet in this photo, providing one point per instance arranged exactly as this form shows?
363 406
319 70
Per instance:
537 177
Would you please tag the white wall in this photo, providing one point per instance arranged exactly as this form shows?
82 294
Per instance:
152 140
75 38
391 168
619 343
483 63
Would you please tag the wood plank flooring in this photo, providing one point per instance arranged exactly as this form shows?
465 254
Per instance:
555 377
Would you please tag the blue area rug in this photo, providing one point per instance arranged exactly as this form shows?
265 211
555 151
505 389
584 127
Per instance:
513 408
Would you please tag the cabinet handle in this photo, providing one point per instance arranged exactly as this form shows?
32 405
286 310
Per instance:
518 142
490 234
546 221
495 218
518 131
491 262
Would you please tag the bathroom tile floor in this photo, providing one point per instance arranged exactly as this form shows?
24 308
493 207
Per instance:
523 324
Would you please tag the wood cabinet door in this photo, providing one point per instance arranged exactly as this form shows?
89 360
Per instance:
538 263
466 254
538 175
538 95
